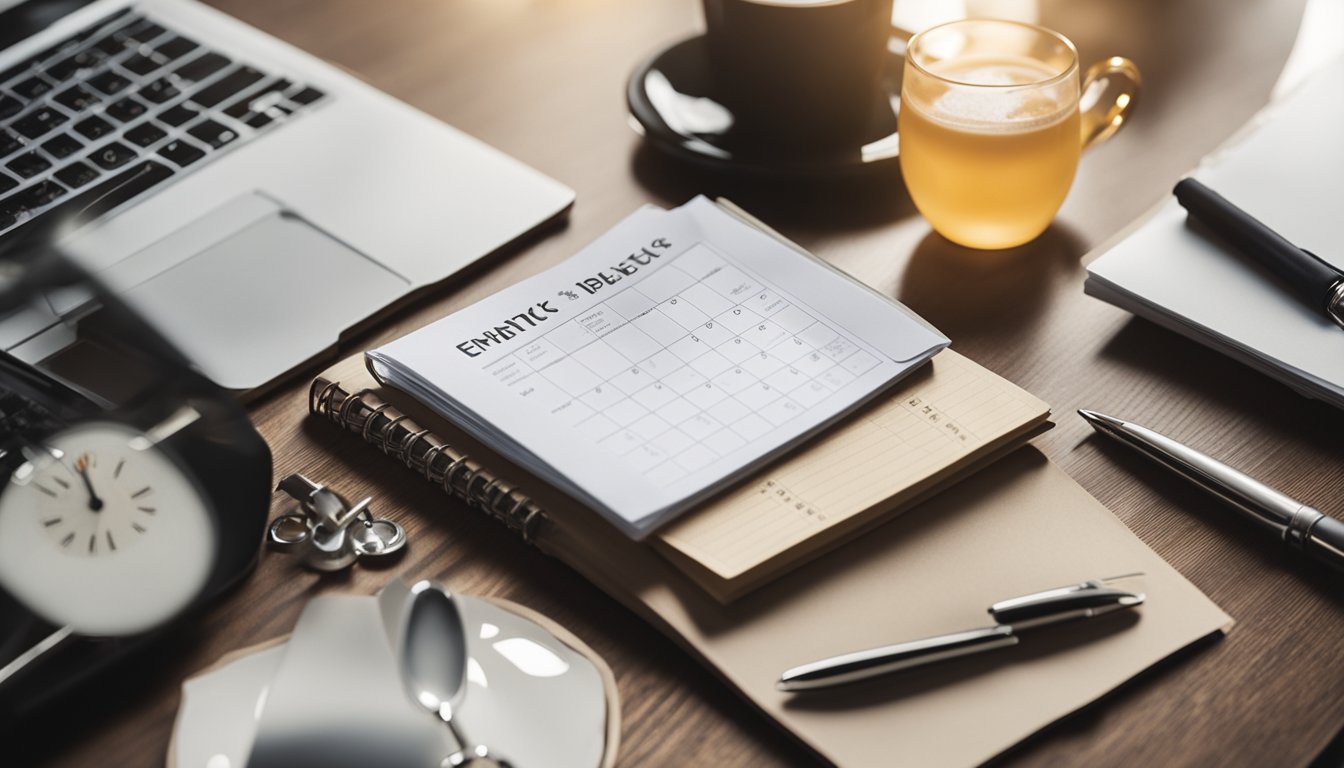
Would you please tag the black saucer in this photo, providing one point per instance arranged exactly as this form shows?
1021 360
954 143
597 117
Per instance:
671 96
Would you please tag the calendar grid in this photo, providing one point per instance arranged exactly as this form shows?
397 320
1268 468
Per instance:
685 365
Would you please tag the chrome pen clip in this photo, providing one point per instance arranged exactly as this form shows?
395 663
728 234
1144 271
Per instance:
1076 601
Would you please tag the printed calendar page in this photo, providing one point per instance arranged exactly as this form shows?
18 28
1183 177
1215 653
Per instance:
677 351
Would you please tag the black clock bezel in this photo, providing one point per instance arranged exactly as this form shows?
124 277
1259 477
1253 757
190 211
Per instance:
220 451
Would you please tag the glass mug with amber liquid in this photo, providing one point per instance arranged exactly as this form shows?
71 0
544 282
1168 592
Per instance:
993 120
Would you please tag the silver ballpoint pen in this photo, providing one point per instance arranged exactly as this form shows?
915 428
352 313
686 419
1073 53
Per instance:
1301 527
1076 601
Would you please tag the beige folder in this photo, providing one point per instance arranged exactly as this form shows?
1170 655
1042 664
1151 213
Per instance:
1019 526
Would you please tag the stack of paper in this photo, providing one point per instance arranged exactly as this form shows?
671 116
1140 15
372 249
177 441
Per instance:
672 355
1287 172
939 425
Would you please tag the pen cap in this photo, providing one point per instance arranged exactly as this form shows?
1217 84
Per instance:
1303 273
1325 542
1087 599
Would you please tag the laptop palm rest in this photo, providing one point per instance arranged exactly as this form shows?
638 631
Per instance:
262 292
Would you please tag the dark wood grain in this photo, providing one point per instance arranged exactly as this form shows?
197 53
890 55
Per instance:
544 81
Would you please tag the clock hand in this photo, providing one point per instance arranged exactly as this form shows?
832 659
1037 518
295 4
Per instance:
82 467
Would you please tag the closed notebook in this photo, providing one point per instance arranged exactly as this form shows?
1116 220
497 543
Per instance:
1018 526
1285 170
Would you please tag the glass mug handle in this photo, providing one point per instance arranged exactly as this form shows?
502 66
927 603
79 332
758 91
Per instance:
1110 89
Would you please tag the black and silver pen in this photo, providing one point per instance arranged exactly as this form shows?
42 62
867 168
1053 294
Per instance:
1076 601
1305 275
1303 528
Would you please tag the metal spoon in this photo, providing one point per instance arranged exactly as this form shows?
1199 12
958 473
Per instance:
434 662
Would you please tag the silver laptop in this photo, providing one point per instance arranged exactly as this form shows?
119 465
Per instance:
251 201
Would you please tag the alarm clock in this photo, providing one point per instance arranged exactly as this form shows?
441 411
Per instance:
104 532
132 495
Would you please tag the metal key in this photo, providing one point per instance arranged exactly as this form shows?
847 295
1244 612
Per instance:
331 533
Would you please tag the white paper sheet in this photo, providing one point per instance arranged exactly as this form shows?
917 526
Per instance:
674 352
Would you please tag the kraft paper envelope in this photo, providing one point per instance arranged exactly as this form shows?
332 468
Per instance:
1017 527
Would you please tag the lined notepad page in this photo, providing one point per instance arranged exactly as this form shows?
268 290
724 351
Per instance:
892 450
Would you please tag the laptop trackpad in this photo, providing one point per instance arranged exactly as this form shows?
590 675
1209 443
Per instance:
261 298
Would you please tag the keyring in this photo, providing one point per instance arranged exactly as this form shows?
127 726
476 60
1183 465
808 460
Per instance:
288 532
377 537
331 532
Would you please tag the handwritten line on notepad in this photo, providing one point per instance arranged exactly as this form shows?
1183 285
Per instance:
922 428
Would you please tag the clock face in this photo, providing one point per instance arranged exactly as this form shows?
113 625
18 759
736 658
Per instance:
97 503
103 532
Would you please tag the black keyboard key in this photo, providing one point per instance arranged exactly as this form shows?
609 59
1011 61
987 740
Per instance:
32 87
113 155
9 106
307 96
124 30
126 110
92 201
144 134
38 122
141 64
77 175
6 184
176 47
62 145
183 153
227 86
76 99
28 165
20 68
8 142
213 133
240 108
159 91
27 201
68 67
145 32
201 67
110 45
94 127
116 42
109 82
182 113
257 120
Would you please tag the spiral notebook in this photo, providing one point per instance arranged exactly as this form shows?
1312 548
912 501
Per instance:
719 297
946 421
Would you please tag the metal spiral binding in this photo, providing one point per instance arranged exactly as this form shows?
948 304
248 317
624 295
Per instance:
458 475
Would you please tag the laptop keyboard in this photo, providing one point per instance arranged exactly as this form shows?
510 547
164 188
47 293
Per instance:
119 108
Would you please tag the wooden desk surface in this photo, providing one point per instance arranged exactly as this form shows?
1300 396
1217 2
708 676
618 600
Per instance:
544 82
